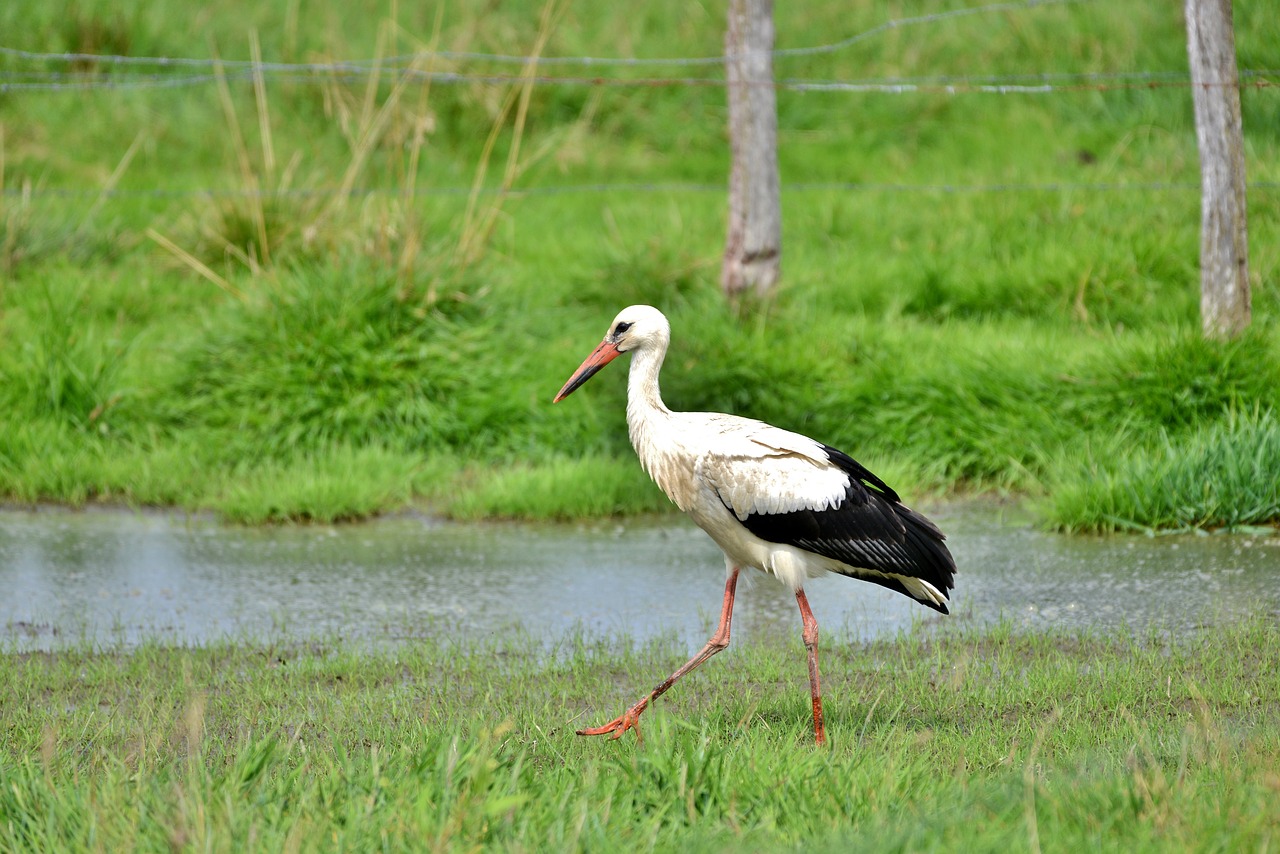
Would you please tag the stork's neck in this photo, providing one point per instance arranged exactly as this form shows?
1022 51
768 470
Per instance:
646 413
657 433
643 395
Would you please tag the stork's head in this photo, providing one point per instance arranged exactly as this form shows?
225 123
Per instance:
637 327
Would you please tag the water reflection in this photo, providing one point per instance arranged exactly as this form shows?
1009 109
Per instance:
120 577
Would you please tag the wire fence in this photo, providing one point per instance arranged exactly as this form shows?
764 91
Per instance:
143 72
367 66
50 72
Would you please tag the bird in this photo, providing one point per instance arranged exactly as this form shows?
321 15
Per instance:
772 500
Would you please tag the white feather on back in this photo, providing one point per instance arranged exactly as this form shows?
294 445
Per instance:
759 469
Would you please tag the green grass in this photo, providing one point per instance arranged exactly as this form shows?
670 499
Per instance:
559 489
1223 476
283 351
342 484
978 740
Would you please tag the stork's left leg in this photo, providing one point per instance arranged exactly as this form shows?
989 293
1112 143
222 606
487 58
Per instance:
630 719
810 636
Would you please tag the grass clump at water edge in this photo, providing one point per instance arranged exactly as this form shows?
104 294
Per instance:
1224 476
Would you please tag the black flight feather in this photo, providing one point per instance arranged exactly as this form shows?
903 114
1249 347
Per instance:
869 529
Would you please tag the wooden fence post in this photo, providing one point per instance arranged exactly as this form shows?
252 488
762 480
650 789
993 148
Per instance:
753 247
1224 246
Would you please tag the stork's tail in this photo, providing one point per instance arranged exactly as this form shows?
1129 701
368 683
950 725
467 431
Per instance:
935 569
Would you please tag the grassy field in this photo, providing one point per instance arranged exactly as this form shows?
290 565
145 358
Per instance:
967 740
326 294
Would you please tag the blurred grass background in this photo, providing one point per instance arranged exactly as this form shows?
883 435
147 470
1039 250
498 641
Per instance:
327 294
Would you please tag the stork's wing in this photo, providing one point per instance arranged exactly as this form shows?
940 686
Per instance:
757 469
786 488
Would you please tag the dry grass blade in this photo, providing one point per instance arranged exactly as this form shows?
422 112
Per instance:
477 227
247 174
111 182
264 115
372 123
196 264
412 241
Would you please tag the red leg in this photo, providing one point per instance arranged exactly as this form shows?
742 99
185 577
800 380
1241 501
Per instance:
630 719
810 636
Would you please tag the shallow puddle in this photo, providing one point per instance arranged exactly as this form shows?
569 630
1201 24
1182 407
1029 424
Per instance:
119 577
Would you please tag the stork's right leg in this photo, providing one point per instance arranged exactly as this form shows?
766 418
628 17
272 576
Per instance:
810 636
630 719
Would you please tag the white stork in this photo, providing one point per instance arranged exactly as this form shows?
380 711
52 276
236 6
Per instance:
771 499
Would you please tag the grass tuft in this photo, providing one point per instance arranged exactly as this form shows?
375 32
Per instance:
338 356
64 369
1223 476
1181 380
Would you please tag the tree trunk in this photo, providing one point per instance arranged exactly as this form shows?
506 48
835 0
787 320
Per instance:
754 244
1224 248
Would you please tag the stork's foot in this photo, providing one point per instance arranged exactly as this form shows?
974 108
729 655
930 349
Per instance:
630 719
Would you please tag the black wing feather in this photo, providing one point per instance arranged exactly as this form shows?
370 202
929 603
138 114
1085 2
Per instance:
869 529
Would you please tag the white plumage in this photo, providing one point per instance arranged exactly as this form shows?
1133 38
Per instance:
771 499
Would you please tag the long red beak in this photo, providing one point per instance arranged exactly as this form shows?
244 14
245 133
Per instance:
600 356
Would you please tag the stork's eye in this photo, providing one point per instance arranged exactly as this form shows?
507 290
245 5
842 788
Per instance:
621 328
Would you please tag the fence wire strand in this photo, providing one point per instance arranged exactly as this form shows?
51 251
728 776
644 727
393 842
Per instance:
1017 84
30 194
